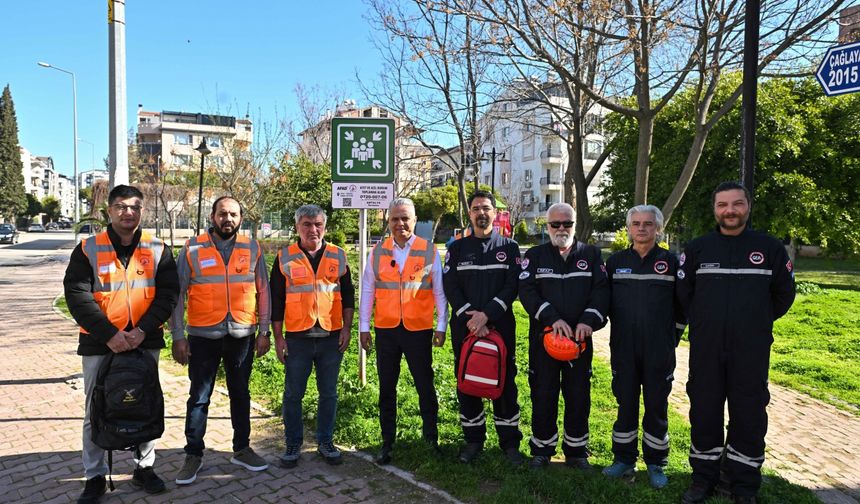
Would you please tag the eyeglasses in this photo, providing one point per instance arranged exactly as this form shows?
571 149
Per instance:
483 209
122 208
557 224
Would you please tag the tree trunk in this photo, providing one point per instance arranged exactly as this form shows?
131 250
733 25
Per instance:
687 173
643 158
584 224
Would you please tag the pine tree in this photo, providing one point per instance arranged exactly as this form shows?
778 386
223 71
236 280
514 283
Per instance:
12 200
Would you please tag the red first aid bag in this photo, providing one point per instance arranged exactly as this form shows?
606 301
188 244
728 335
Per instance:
482 365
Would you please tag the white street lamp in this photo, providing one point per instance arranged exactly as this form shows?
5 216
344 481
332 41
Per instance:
74 138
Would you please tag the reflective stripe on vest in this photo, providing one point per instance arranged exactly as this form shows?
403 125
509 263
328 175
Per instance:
123 294
216 289
406 297
312 297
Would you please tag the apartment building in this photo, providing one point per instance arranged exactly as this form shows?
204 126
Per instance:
90 177
168 139
413 160
531 152
41 179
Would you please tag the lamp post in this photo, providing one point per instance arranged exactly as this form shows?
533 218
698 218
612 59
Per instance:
74 138
204 151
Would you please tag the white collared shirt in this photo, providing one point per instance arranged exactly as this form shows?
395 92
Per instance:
368 287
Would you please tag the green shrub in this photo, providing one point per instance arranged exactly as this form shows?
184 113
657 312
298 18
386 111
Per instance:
521 232
336 237
621 241
808 288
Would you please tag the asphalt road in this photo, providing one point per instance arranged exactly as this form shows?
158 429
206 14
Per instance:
34 248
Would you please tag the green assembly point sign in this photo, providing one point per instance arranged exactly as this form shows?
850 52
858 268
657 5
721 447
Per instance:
362 150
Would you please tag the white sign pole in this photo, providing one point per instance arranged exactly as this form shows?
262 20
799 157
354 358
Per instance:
362 263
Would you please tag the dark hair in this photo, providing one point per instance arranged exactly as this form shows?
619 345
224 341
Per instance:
124 192
729 186
222 198
482 194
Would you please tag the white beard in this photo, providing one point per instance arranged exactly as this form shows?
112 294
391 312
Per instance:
562 240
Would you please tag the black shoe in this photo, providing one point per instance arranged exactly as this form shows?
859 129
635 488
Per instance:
698 492
146 479
744 499
93 490
580 463
539 462
384 455
470 451
514 456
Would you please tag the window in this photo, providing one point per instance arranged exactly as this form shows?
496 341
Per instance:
383 113
213 141
506 178
182 138
505 132
592 149
182 160
527 175
367 113
593 124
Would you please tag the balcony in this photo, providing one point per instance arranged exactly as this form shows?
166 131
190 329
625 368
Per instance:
550 156
550 183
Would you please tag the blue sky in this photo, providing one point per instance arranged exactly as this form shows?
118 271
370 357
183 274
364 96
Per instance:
191 56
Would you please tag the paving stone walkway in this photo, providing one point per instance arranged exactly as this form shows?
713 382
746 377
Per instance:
809 442
42 406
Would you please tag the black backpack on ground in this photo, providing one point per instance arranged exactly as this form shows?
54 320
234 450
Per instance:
127 405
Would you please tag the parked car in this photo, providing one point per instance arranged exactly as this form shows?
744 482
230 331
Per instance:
87 229
52 225
8 234
36 228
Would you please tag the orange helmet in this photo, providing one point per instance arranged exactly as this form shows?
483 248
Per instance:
560 348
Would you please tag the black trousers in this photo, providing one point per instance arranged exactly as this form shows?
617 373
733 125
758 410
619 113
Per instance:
735 372
548 377
391 345
647 366
506 409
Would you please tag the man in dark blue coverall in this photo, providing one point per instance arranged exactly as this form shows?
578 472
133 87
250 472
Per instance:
733 283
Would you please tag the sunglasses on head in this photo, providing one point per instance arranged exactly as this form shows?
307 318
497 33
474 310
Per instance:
556 224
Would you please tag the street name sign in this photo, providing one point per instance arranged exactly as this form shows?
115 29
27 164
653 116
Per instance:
839 71
361 195
362 150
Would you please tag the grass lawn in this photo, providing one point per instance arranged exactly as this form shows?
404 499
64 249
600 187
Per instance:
816 346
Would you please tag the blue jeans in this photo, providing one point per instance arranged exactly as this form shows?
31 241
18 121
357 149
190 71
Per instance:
302 353
206 355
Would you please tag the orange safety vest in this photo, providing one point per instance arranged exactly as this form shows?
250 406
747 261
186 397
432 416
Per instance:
216 289
312 298
123 294
406 297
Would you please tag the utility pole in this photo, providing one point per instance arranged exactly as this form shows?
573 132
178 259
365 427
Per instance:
493 156
117 110
750 96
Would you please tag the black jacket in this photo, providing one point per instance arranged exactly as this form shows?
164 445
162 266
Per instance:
78 286
481 274
644 306
735 285
575 290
